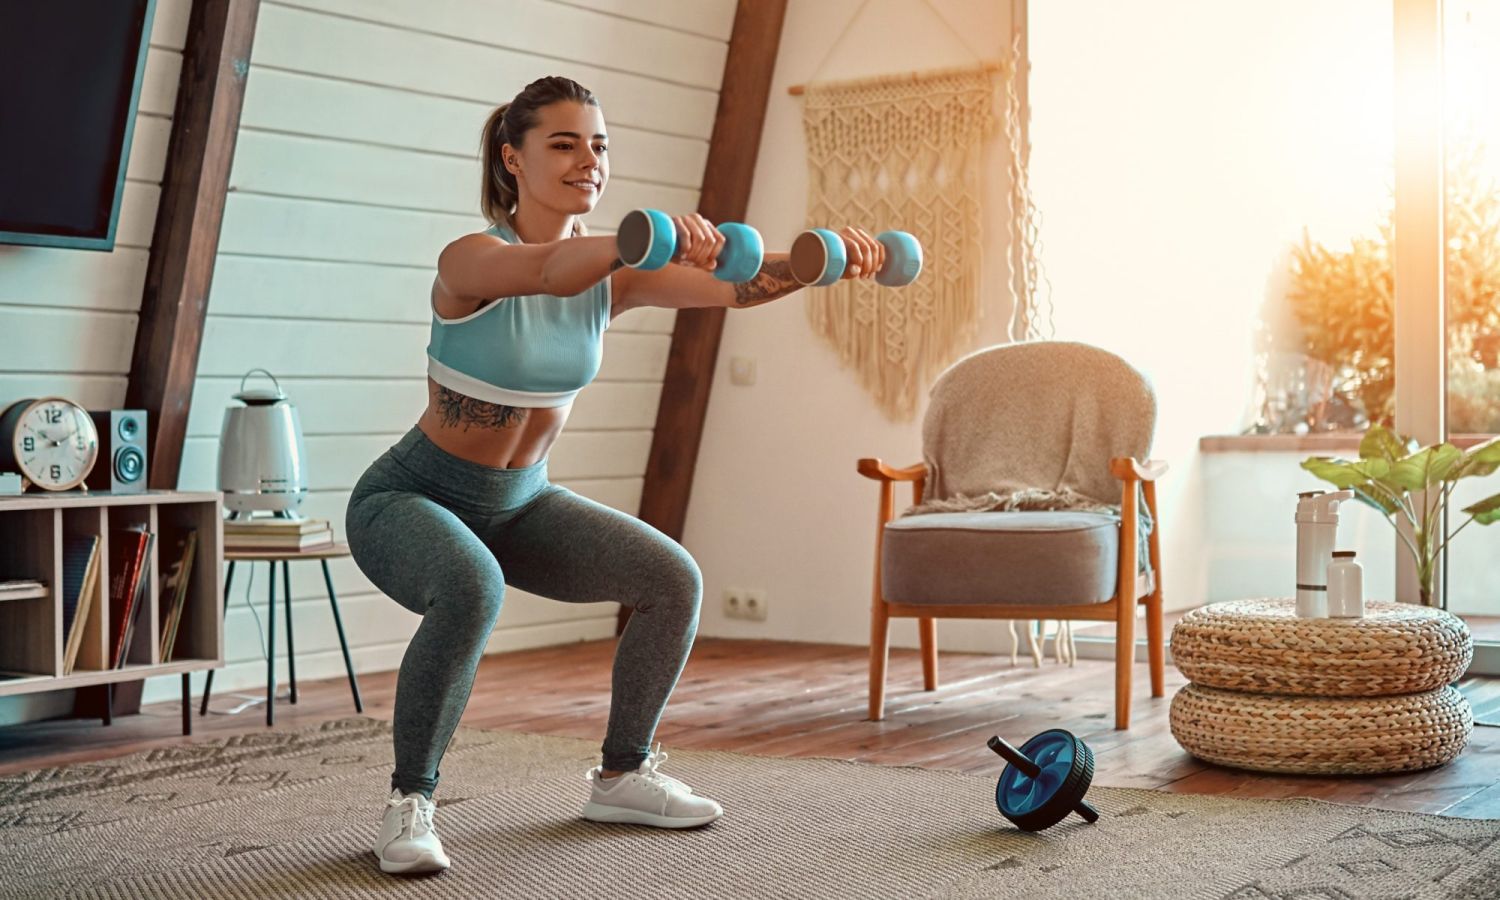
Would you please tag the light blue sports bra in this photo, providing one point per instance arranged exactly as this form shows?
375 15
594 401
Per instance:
534 350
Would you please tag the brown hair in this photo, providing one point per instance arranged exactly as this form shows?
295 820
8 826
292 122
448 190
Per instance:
508 124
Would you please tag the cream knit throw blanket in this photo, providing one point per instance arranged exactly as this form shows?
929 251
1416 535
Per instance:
901 152
1034 426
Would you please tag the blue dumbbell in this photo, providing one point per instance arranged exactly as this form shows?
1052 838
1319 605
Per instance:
819 257
647 239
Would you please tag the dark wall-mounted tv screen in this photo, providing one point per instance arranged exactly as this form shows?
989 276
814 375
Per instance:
70 75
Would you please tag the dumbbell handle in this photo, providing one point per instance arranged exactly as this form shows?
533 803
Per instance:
1031 770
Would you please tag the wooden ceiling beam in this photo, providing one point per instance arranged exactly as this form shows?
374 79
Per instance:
185 242
728 173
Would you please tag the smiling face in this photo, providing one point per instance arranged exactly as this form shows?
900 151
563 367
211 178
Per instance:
562 163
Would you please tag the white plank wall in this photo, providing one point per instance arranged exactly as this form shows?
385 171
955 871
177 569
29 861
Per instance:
357 160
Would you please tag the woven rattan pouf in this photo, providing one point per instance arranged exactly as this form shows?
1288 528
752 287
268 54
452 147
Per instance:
1261 646
1322 735
1273 692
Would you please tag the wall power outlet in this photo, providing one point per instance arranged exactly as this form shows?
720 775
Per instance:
745 603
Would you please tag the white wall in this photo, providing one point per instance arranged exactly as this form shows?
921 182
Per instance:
356 161
1178 148
776 502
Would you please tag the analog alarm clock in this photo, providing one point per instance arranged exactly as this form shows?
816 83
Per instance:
50 441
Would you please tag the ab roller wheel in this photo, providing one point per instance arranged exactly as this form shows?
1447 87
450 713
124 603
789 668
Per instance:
819 257
1045 780
648 240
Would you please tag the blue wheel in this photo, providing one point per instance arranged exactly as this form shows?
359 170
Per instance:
647 239
743 253
903 258
1067 769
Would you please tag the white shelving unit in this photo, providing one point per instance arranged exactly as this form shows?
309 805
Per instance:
32 530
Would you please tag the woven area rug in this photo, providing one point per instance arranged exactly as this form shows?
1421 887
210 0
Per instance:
292 814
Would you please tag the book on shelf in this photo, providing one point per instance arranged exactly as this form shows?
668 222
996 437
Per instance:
182 547
128 553
80 578
22 589
137 633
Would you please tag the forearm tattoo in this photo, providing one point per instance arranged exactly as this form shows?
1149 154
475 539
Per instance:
774 280
455 408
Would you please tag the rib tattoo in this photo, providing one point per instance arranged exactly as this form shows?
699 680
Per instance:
455 408
774 280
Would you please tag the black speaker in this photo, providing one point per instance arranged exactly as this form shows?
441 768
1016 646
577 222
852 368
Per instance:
121 467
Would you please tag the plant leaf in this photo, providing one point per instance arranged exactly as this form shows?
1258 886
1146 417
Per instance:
1346 473
1375 498
1480 460
1425 468
1380 442
1485 511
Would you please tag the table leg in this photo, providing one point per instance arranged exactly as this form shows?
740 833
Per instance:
187 704
291 657
271 649
338 623
208 685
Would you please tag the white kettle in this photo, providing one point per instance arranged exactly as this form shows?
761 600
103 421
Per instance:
262 462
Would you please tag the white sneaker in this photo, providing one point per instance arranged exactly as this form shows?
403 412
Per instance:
647 797
408 841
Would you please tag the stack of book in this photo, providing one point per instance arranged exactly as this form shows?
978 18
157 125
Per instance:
276 535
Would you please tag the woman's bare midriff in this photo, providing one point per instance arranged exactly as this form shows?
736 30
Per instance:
504 437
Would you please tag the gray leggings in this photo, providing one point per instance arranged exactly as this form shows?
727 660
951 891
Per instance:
443 537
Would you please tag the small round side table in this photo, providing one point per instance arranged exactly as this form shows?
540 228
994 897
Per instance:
285 557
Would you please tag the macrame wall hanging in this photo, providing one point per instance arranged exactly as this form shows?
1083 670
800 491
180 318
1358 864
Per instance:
902 152
1030 290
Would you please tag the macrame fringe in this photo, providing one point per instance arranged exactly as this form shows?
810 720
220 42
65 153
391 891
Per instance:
901 152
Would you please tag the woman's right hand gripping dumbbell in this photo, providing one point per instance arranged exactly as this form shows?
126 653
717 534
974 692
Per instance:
649 239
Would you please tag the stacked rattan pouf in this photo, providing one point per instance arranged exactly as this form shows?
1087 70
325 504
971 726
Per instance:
1276 693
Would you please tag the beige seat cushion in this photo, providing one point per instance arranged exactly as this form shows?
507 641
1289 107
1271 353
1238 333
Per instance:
1030 558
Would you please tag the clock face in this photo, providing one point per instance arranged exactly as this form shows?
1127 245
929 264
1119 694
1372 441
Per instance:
56 444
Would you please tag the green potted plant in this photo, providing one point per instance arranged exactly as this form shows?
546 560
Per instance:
1391 469
1343 300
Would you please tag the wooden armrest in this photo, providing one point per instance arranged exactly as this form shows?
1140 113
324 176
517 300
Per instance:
1127 469
879 471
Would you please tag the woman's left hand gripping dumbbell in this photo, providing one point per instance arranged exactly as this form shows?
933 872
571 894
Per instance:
866 255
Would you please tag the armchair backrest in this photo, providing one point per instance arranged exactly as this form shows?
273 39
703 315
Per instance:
1041 414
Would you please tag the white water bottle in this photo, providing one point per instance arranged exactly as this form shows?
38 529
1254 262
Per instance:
1317 527
1346 587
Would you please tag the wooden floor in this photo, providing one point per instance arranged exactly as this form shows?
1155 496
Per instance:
774 698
